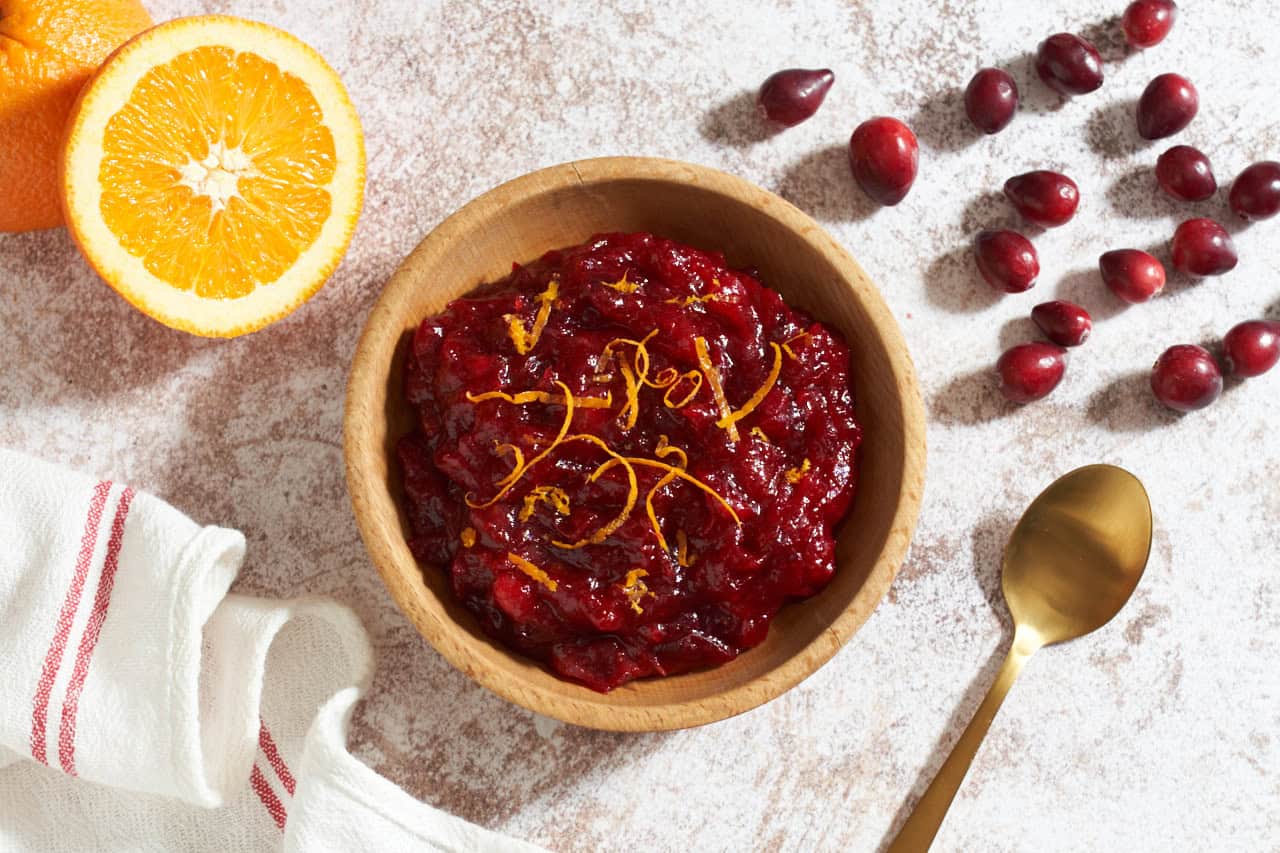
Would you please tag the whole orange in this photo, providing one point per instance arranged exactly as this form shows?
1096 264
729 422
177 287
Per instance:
48 50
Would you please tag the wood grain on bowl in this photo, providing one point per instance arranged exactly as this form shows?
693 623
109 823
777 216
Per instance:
563 206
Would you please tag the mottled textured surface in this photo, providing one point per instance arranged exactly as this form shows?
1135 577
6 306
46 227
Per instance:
1160 732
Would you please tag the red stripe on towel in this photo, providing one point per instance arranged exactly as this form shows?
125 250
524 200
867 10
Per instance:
269 799
89 640
274 758
62 629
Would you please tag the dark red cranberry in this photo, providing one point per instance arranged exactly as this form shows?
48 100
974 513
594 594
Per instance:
884 156
1132 274
1147 22
791 96
991 99
1030 371
1252 348
1185 174
1186 378
1256 193
1167 105
1064 323
1069 64
1007 260
1044 198
1203 247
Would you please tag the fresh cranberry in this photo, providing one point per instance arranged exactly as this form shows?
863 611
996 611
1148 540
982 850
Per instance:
991 99
1167 105
1007 260
1186 378
791 96
1147 22
1044 198
884 156
1069 64
1203 247
1256 193
1185 174
1252 348
1030 371
1132 274
1064 323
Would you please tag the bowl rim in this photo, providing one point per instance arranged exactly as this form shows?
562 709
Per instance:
368 378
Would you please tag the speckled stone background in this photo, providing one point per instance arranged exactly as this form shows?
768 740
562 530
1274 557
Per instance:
1160 732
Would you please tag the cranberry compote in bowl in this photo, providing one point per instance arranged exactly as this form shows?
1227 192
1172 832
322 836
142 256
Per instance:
634 443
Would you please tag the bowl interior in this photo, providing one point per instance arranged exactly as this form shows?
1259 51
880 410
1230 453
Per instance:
563 206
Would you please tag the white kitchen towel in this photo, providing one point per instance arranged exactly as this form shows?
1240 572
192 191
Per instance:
142 707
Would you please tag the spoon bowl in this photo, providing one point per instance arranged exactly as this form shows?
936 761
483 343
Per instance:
1077 553
1072 562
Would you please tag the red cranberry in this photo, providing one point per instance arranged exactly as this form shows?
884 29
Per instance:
1007 260
1044 198
789 97
1132 274
1186 378
884 156
1064 323
1167 105
1030 371
1147 22
1069 64
1184 173
991 100
1203 247
1252 348
1256 193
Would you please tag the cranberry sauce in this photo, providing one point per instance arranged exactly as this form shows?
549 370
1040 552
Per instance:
628 457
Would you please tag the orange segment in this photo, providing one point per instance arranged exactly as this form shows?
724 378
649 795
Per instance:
213 174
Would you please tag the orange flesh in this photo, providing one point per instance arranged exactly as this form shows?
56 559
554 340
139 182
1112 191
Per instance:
216 184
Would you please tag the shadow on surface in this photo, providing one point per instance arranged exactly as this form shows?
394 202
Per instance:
821 184
736 122
952 282
940 121
1127 405
972 398
1112 130
989 538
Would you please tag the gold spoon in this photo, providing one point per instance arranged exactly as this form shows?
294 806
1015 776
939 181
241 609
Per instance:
1071 564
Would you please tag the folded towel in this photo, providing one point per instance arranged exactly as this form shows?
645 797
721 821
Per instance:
144 707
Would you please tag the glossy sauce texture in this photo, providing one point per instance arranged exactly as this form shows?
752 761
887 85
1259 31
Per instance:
742 514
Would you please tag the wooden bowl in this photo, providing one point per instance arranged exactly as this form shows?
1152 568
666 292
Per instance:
563 206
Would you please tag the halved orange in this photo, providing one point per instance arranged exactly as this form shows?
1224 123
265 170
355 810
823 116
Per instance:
213 173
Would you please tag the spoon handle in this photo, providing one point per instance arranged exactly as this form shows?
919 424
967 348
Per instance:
918 832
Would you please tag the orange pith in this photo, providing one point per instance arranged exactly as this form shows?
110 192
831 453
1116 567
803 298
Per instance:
260 154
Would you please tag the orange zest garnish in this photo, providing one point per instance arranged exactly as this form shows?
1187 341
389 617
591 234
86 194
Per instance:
524 397
631 410
532 571
513 478
757 398
756 432
526 339
622 285
552 496
518 454
635 589
633 491
795 475
683 557
717 390
695 379
468 537
794 339
686 301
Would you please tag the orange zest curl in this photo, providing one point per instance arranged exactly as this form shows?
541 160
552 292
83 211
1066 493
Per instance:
468 537
717 389
794 339
633 491
635 589
686 301
514 477
552 496
683 557
761 392
756 432
795 475
524 397
694 378
526 339
532 571
622 285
